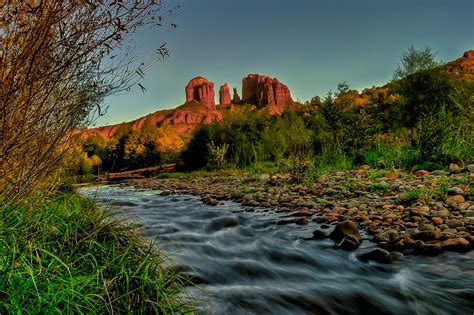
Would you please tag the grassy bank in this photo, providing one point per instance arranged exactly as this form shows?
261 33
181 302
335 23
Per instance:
65 255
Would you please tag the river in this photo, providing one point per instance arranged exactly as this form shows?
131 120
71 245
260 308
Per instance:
243 263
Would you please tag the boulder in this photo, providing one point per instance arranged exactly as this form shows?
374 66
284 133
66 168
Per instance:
201 90
224 95
343 229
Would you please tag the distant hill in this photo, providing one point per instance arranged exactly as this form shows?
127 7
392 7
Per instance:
265 93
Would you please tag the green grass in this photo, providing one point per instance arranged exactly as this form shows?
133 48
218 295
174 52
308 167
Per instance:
67 256
391 156
424 195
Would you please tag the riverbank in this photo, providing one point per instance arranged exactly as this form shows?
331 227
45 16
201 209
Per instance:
64 255
422 213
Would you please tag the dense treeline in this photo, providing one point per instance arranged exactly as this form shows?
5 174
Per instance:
127 149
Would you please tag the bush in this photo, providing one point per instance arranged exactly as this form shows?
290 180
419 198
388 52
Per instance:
392 155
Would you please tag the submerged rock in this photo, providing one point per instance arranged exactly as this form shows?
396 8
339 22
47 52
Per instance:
319 235
377 254
222 223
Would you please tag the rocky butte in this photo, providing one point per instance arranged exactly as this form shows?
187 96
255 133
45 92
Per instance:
201 90
224 95
266 92
462 67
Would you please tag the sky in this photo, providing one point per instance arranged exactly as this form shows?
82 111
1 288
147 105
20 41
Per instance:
309 45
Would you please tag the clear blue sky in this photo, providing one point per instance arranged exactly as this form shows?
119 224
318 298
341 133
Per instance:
310 45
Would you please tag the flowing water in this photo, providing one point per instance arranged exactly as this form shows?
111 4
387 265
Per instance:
243 263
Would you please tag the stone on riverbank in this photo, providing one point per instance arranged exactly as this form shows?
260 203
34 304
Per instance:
346 229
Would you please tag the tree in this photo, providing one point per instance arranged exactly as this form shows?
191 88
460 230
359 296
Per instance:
195 155
414 61
58 60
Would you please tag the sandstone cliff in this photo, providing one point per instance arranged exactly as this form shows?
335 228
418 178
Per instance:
266 92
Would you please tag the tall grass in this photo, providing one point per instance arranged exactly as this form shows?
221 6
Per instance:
67 256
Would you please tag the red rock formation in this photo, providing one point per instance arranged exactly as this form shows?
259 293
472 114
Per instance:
266 92
235 97
462 67
224 95
199 109
201 90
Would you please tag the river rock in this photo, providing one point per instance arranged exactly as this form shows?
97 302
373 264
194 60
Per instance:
427 249
455 199
437 220
454 223
441 213
455 191
209 201
388 236
222 223
350 242
302 221
426 227
421 173
376 254
427 235
457 245
469 214
343 229
319 235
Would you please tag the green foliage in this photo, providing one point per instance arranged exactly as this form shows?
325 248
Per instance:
423 194
414 61
195 155
392 155
66 256
217 155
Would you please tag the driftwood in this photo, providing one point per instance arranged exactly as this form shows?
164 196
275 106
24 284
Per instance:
141 173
